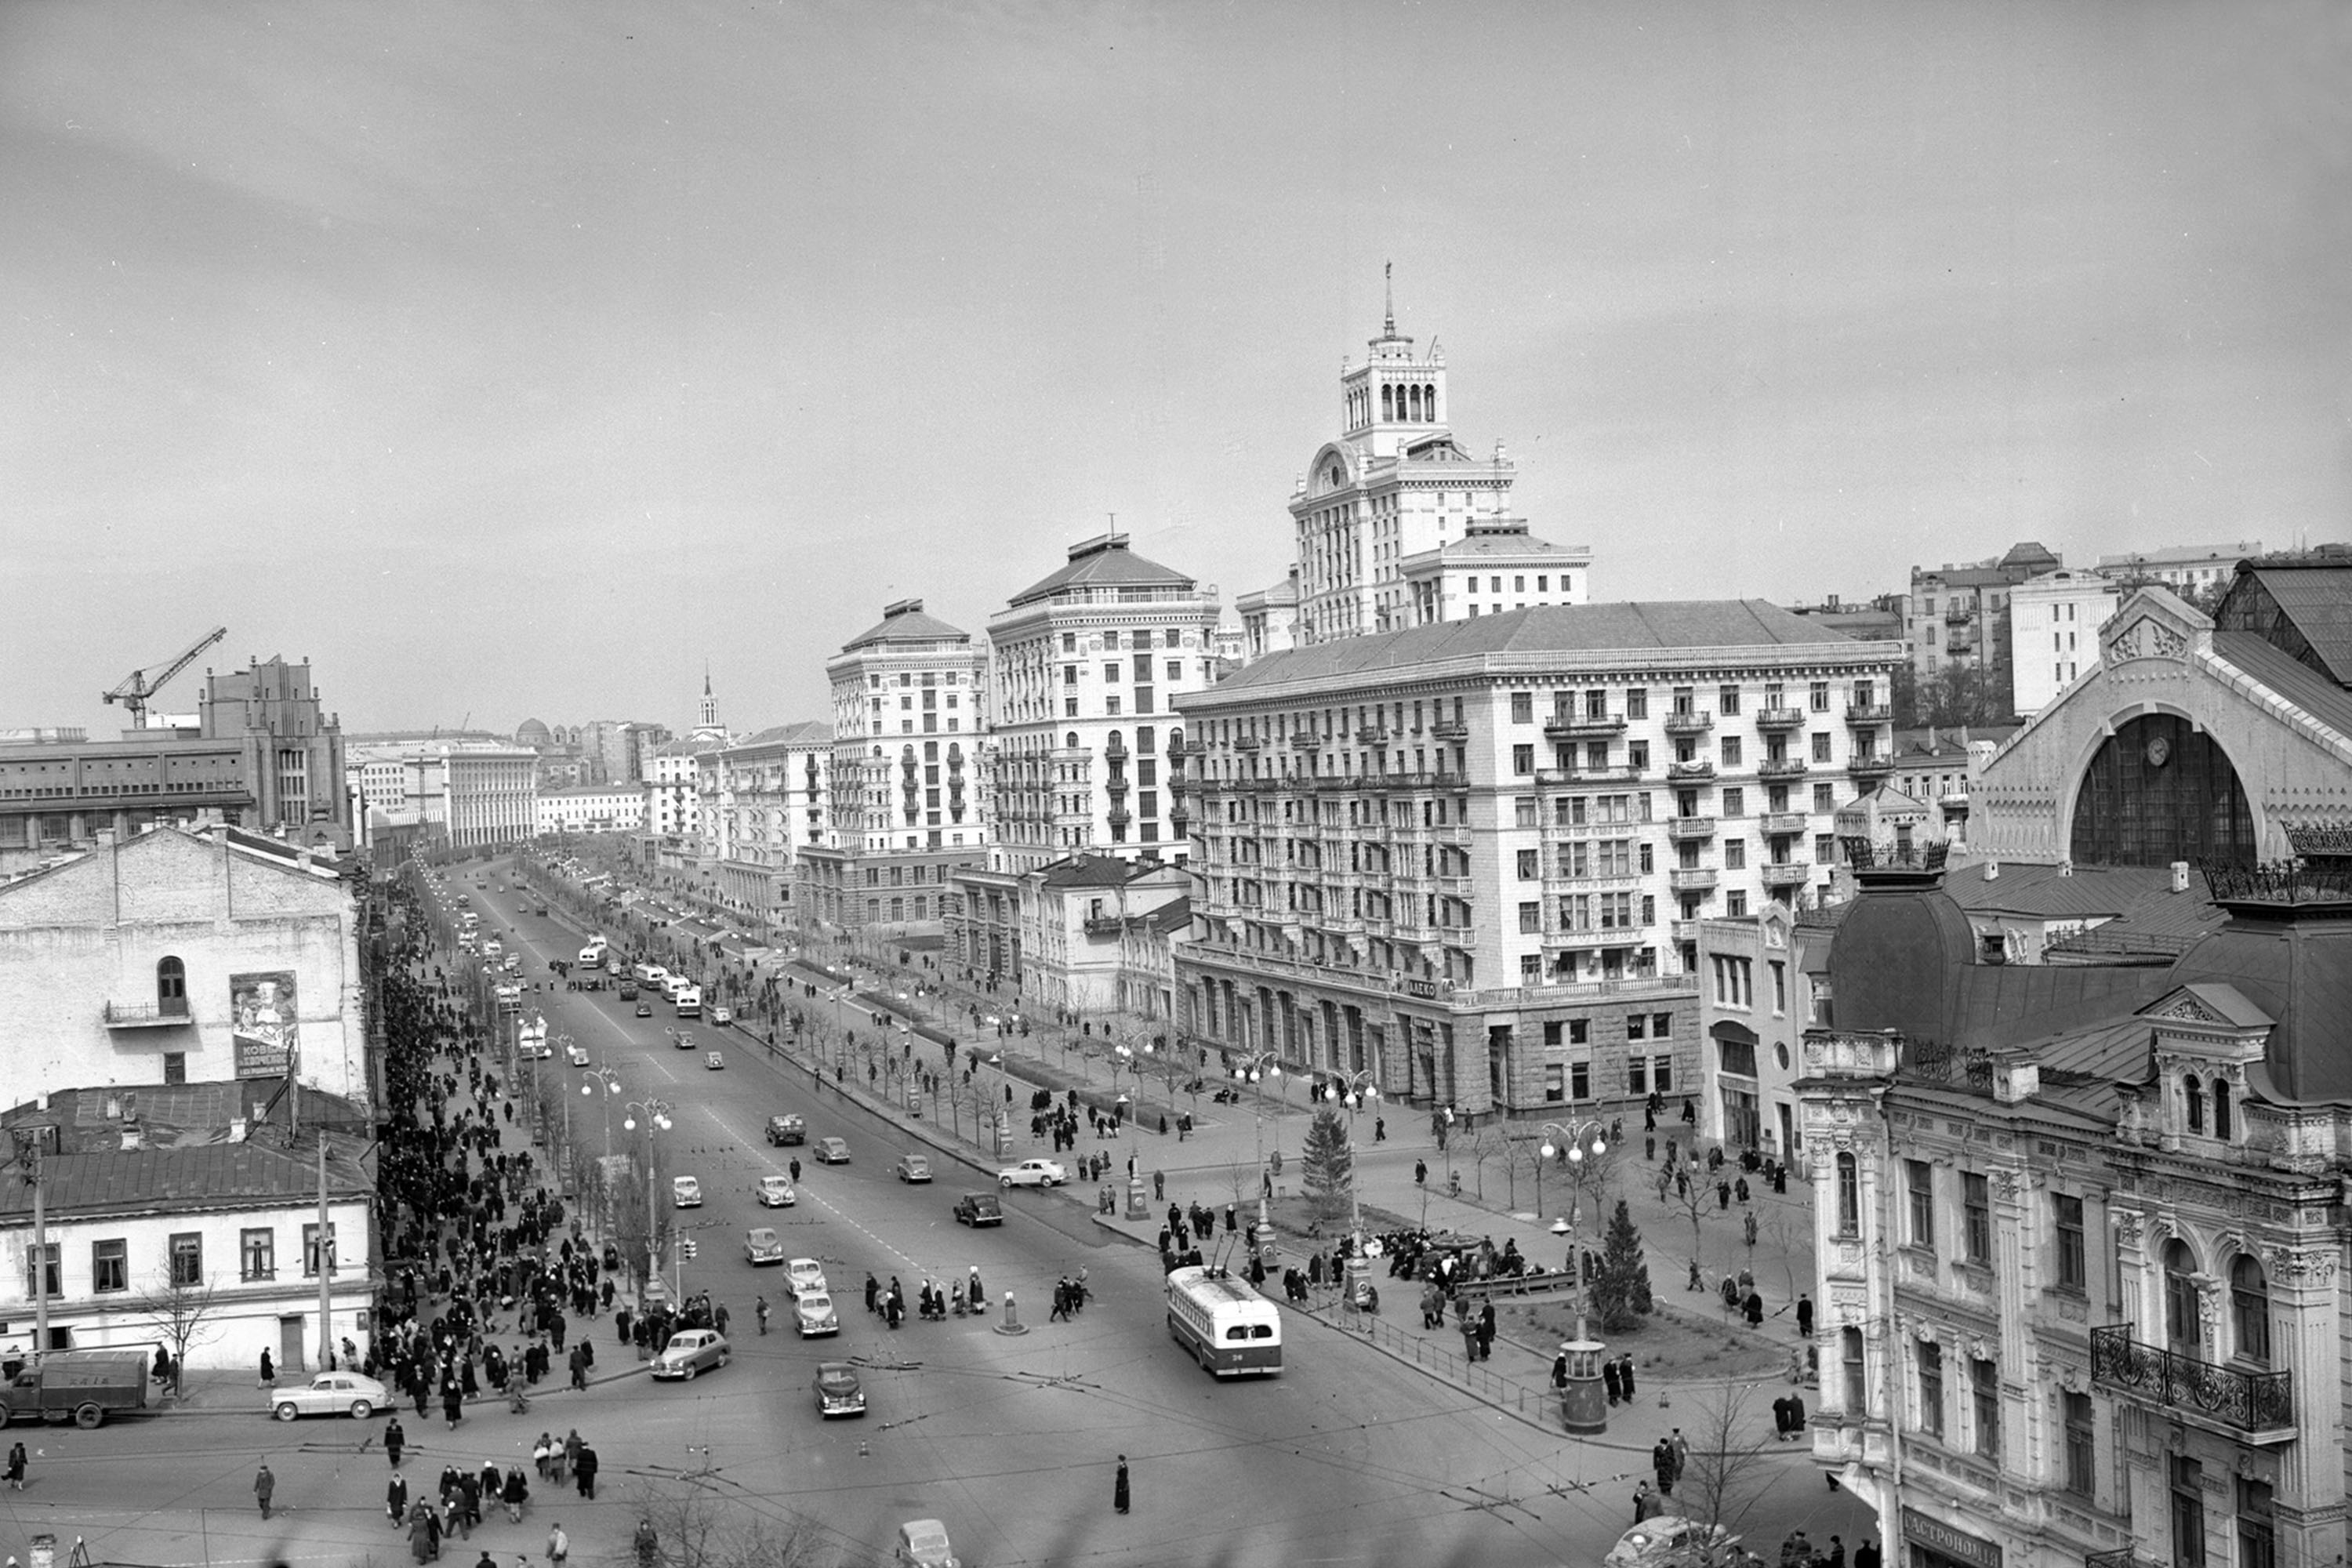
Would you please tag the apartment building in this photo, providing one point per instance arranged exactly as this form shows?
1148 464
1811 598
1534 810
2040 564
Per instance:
2053 624
768 803
1471 857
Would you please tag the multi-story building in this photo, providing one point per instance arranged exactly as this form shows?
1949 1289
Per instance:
261 753
2189 570
1940 767
1074 916
590 808
1269 618
769 803
1084 667
1958 617
613 751
1757 997
1472 854
673 789
171 958
1495 565
477 790
2054 627
1876 619
909 715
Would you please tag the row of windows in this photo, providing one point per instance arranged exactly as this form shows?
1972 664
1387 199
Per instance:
182 1264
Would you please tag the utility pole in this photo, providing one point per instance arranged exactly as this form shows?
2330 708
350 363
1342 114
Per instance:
326 1267
40 1251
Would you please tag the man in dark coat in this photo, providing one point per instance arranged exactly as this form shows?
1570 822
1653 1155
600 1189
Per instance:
1118 1492
587 1468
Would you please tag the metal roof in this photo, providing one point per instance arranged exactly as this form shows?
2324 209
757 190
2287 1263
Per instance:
2292 679
1106 563
906 625
2318 601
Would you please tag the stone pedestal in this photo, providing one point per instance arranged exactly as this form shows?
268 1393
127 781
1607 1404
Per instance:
1139 1205
1584 1403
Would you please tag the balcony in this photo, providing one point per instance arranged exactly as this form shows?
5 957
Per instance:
1870 769
1449 729
1690 829
1781 824
1696 770
2257 1407
1114 750
1860 714
1689 722
2121 1557
169 1015
1115 786
1573 777
1781 768
1247 743
1779 717
1373 735
1787 874
1692 879
1568 727
1958 612
1118 817
1307 741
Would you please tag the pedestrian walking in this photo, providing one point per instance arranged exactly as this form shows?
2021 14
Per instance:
1754 1308
587 1468
394 1440
16 1462
269 1371
395 1501
1644 1502
1420 1173
264 1485
559 1545
1662 1464
1781 1420
1625 1376
1607 1378
1118 1492
1805 1316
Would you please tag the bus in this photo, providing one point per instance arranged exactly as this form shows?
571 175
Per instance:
592 955
1229 1328
688 1001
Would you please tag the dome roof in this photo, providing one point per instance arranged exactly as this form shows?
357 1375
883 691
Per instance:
531 732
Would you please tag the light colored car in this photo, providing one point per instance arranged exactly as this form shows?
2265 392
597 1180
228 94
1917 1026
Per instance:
577 1054
691 1352
923 1544
838 1392
812 1314
913 1168
804 1274
761 1247
714 1061
830 1152
686 1193
1032 1174
721 1017
1670 1541
331 1394
776 1193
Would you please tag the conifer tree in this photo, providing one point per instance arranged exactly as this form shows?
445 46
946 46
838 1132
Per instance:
1621 1295
1327 1166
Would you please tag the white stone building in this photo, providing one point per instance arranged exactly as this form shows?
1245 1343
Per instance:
479 791
768 800
2054 627
1495 565
591 808
177 958
1085 666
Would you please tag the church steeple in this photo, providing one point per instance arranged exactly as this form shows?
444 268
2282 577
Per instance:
706 725
1395 394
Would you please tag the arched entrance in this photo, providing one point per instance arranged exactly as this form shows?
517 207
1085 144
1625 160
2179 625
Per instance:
2156 791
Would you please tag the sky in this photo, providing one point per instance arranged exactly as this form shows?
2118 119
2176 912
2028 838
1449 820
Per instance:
524 359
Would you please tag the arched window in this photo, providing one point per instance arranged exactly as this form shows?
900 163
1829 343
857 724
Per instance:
172 988
2192 1095
2249 1310
1413 396
1429 402
1388 402
2220 1107
1849 1196
2180 1324
1070 741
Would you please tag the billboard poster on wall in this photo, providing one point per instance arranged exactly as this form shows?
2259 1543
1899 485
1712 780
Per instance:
262 1022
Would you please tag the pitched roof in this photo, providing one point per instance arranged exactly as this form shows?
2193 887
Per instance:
2318 600
1547 629
1485 542
182 1178
801 733
2292 679
1106 563
1094 871
906 625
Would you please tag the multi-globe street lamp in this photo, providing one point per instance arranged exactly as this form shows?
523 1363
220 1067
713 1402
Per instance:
656 1113
1252 1068
1581 1143
1352 1089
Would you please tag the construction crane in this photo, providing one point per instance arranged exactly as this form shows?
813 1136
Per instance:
140 685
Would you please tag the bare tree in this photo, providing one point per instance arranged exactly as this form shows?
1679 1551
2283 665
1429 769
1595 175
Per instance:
1728 1469
697 1524
1474 1147
1690 1198
182 1313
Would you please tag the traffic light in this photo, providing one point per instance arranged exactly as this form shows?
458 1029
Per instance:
687 1245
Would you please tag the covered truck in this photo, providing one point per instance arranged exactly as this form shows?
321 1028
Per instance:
81 1386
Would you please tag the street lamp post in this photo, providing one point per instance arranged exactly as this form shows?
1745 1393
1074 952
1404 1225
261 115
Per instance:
1351 1089
1583 1405
656 1114
1252 1069
612 1082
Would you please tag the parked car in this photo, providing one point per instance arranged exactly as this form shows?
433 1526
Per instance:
923 1544
721 1016
776 1193
803 1275
686 1193
831 1151
913 1168
761 1247
838 1392
331 1394
787 1130
690 1354
1670 1541
813 1315
1032 1174
977 1209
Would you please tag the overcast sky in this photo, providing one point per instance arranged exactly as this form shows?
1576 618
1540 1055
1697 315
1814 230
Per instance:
515 360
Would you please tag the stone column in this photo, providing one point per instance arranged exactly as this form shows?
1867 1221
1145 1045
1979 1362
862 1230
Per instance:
2306 1344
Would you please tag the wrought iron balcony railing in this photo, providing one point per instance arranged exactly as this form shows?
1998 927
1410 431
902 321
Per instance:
2243 1401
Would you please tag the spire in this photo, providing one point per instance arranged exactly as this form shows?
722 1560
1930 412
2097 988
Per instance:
706 677
1388 287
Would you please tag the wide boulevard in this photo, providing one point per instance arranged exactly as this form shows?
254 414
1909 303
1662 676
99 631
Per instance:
1348 1457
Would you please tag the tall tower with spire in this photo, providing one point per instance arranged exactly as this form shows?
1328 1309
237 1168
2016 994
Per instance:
707 726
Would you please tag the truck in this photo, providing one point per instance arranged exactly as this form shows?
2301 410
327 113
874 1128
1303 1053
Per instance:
81 1386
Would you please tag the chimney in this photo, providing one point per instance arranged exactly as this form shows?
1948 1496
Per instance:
131 1137
2181 876
2065 867
1992 871
236 1130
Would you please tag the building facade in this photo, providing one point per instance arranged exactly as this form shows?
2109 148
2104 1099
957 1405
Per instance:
1495 565
1956 618
2188 570
769 803
1471 857
479 790
1085 666
1269 618
1757 997
673 789
2054 622
910 717
590 808
174 958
